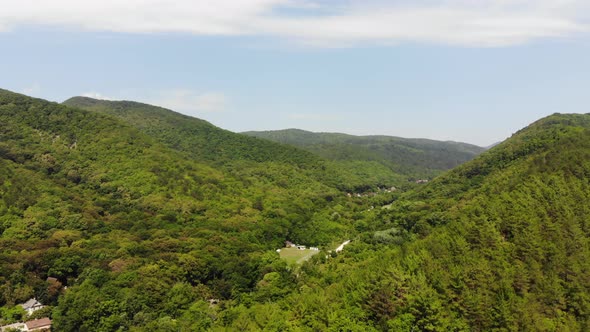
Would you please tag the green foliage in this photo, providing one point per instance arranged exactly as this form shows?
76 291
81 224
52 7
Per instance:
12 314
150 230
498 244
141 233
382 160
233 152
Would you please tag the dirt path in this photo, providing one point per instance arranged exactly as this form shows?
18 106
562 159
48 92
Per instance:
341 247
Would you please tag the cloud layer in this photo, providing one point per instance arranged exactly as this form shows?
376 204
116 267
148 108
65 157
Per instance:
486 23
186 101
191 102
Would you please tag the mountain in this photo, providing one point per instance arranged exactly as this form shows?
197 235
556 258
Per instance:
411 158
505 238
152 236
207 143
199 138
124 221
500 243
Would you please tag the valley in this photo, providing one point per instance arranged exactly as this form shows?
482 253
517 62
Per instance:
123 216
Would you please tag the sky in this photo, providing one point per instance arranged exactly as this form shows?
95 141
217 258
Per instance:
469 71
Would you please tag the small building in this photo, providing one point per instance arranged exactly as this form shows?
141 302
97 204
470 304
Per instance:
289 244
32 305
41 324
300 247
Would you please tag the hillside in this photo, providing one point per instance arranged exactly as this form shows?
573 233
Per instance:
501 243
126 222
413 158
149 237
201 139
217 147
513 252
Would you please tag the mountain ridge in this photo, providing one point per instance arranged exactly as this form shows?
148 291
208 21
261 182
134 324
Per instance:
219 147
412 158
293 129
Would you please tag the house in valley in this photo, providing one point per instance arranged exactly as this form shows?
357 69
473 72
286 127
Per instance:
32 305
38 325
41 324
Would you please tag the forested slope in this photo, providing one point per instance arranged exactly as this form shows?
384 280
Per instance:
145 234
410 158
217 147
514 251
136 230
201 139
498 244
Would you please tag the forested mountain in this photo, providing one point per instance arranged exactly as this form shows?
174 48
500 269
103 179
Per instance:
207 143
199 138
136 229
414 158
501 243
149 234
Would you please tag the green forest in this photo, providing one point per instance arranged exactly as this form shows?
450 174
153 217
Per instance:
121 216
383 155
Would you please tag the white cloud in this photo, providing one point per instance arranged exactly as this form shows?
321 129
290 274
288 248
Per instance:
96 95
32 90
457 22
185 101
191 102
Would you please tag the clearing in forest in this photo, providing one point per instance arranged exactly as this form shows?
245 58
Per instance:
294 255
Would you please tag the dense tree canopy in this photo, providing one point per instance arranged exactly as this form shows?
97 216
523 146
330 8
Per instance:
110 211
382 157
150 230
216 147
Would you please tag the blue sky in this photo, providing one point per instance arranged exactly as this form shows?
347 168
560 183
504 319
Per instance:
443 70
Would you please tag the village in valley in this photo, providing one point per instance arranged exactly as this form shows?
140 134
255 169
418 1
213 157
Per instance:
33 324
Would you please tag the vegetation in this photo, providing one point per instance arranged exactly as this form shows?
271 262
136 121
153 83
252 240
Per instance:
219 148
296 256
123 221
498 244
152 236
384 157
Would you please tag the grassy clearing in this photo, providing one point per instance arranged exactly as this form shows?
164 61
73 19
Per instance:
296 256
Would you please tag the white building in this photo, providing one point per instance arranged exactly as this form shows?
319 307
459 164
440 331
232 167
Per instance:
32 305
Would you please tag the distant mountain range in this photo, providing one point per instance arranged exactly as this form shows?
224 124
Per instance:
355 163
412 158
